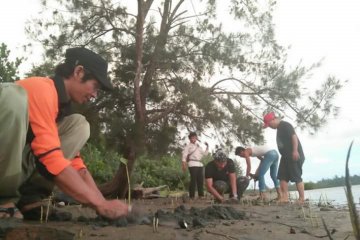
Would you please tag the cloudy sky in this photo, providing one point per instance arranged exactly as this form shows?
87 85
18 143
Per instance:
314 30
317 29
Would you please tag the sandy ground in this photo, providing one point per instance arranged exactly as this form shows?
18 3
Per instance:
263 221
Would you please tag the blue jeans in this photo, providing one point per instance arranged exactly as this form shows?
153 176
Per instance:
271 159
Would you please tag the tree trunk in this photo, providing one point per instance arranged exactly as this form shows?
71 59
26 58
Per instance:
118 186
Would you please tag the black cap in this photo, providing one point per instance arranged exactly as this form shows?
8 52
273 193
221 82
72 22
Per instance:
91 62
220 156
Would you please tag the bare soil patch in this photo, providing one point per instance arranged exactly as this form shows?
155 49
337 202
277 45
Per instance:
205 220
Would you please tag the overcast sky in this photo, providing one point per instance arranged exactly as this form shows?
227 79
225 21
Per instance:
314 30
317 29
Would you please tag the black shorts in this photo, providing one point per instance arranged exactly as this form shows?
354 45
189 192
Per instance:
290 170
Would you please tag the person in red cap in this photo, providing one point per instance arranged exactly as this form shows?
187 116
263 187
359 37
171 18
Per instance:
292 155
41 138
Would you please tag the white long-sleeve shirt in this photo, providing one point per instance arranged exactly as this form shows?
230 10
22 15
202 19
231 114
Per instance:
197 154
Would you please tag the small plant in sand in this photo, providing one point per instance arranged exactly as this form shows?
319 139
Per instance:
48 205
323 201
311 215
124 161
354 217
350 199
80 235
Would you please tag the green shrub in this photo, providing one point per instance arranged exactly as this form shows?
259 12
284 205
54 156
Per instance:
238 169
309 185
164 170
102 164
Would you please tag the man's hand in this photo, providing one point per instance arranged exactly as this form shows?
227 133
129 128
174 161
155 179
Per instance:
295 155
254 176
184 166
295 144
112 209
85 192
220 199
207 145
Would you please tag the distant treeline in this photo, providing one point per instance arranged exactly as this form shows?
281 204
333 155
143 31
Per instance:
332 182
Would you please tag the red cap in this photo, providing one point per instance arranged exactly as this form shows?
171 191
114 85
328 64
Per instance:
267 118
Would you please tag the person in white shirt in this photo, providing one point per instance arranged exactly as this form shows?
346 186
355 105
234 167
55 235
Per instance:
269 160
191 158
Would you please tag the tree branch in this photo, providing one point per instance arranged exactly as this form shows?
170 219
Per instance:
164 113
138 61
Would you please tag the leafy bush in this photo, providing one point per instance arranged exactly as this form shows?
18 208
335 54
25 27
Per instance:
164 170
148 171
238 169
309 185
102 164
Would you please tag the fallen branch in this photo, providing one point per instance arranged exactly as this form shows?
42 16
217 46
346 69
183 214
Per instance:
302 230
220 234
328 234
143 193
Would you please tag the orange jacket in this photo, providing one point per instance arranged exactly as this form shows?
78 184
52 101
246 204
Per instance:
43 107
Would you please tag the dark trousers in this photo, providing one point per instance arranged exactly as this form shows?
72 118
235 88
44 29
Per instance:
196 179
73 131
224 187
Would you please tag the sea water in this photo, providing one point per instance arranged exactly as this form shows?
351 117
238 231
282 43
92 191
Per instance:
335 195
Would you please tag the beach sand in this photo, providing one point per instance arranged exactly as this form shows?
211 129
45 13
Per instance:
260 221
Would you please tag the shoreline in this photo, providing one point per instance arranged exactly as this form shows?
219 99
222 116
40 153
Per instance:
333 195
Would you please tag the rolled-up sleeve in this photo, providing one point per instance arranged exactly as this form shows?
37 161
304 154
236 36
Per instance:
78 163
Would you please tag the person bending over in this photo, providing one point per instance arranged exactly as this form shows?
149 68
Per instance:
269 160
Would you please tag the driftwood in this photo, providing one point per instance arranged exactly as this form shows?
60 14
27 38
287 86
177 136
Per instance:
140 192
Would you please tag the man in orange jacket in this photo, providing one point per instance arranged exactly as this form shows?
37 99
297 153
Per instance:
41 138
